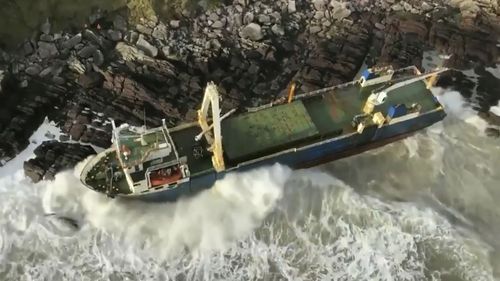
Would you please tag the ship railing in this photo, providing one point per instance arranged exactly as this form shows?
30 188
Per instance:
325 90
167 135
257 108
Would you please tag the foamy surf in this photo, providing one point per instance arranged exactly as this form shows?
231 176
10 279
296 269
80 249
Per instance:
211 220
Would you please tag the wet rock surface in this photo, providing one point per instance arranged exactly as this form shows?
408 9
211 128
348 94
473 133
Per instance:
113 69
52 157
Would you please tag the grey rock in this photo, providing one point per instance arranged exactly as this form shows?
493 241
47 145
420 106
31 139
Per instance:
264 19
47 50
46 72
98 58
70 43
278 30
379 26
248 18
315 29
4 57
27 48
146 47
218 24
87 51
397 7
292 8
252 31
91 36
160 32
426 7
119 23
75 65
58 80
215 44
16 67
319 15
492 132
131 37
23 83
46 37
143 29
213 17
175 23
320 5
115 35
406 6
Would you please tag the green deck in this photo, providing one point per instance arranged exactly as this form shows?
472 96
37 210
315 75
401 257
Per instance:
249 134
330 114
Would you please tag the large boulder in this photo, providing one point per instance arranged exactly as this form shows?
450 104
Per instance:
252 31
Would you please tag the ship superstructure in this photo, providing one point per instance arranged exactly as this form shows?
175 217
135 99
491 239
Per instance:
303 130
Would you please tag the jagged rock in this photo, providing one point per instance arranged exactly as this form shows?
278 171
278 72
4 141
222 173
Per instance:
160 32
397 7
34 170
114 35
426 7
46 37
146 47
292 8
218 24
27 48
320 5
264 19
98 58
315 29
75 65
252 31
47 50
91 36
87 51
33 69
143 29
131 37
71 43
248 18
52 157
492 132
278 30
175 23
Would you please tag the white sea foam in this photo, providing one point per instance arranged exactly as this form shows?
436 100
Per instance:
495 109
457 107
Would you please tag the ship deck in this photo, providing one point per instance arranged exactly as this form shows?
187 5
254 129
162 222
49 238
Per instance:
303 121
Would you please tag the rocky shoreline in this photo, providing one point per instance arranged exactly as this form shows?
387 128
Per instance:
251 49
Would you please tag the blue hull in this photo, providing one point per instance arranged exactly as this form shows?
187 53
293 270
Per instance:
311 155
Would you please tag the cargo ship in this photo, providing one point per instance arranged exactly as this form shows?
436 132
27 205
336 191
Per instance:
299 130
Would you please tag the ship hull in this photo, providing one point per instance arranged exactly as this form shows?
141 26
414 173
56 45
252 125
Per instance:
304 157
